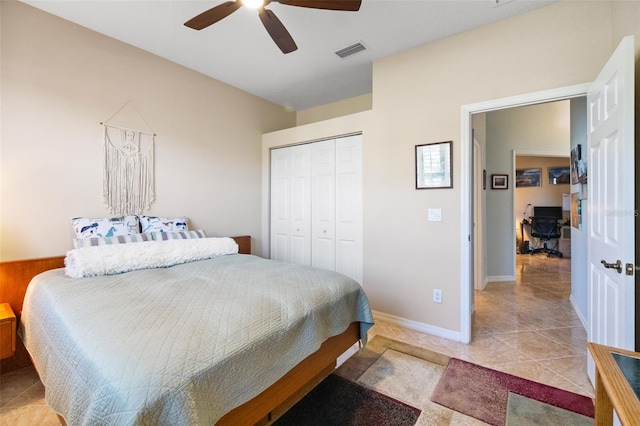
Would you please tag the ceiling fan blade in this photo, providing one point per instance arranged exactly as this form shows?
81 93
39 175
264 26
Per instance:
277 31
213 15
344 5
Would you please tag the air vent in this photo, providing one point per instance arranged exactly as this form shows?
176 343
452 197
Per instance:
500 2
351 50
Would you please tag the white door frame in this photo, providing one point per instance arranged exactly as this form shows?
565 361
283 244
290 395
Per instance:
466 150
478 207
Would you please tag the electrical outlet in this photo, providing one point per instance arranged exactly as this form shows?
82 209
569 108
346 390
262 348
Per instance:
437 296
435 215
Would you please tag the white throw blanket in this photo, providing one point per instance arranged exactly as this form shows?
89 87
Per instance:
119 258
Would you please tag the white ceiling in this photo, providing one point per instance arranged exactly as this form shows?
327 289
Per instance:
239 52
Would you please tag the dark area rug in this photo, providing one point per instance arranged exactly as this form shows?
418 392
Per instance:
483 393
341 402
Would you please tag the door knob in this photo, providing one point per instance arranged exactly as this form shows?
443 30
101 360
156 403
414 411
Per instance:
617 266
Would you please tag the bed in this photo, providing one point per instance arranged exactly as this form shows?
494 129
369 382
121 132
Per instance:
227 339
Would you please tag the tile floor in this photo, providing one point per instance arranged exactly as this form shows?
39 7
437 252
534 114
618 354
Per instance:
527 328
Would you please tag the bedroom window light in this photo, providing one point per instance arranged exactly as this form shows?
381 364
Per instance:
254 4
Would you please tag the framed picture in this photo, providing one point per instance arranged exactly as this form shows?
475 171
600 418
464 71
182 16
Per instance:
559 175
578 166
576 156
527 177
499 181
433 165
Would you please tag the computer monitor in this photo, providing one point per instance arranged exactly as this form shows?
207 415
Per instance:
548 211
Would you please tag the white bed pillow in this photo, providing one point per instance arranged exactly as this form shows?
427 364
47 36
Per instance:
85 227
164 224
116 259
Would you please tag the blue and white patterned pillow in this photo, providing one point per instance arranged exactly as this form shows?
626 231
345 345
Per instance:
85 227
164 224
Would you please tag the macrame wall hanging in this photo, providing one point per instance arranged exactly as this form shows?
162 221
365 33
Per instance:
128 179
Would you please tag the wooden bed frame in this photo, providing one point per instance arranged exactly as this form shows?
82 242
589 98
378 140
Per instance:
261 410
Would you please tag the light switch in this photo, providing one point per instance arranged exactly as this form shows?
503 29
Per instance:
435 215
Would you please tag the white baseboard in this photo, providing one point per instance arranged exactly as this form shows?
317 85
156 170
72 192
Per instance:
483 284
419 326
578 312
501 278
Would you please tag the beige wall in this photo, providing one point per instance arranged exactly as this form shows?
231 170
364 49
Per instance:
59 81
417 98
335 109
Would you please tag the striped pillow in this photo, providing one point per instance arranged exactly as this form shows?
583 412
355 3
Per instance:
137 238
118 239
177 235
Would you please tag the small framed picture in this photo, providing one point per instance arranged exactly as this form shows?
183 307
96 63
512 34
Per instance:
499 181
559 175
433 165
527 177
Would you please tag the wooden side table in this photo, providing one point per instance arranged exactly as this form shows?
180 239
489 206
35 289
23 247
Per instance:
7 331
612 388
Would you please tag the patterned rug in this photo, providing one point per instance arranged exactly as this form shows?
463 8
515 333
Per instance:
415 381
493 396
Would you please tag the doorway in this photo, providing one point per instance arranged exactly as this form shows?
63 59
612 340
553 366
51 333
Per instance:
468 178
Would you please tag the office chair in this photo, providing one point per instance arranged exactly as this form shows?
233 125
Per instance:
545 229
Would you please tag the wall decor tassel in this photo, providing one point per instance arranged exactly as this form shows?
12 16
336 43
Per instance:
128 178
128 185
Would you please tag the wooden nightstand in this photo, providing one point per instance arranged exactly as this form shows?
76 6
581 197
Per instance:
7 331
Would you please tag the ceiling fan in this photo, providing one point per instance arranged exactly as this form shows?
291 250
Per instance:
274 27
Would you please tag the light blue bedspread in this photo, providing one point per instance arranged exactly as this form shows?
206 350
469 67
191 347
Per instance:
180 345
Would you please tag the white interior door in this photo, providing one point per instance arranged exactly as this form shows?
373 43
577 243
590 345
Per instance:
323 206
349 206
280 204
316 205
300 223
610 202
291 204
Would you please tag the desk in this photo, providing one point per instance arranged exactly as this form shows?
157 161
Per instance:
612 388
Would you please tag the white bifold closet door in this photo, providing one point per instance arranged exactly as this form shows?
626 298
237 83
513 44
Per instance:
316 205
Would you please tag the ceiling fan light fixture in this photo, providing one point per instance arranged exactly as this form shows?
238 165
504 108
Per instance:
253 4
